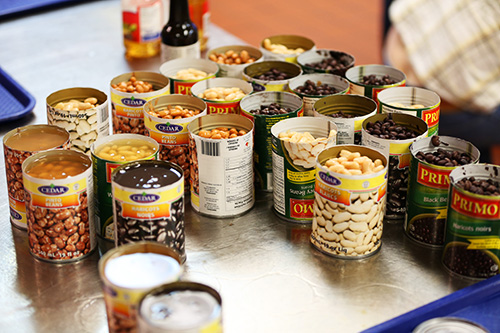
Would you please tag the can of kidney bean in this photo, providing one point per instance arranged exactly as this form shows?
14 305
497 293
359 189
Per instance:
370 80
83 112
19 144
234 70
350 195
266 109
59 205
129 93
271 75
107 154
348 112
393 134
130 271
187 307
184 73
312 87
428 184
222 95
296 142
325 61
148 204
221 149
416 101
285 47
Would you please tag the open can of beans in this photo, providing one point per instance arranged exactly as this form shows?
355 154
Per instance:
222 95
325 61
472 246
19 144
350 194
416 101
184 73
232 59
348 112
83 112
296 142
393 134
285 47
432 161
59 205
221 170
129 93
271 75
107 154
266 109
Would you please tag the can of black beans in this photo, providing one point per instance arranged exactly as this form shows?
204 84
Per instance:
313 87
296 142
184 73
370 80
393 134
432 160
416 101
348 113
472 244
285 47
266 109
148 204
326 61
271 75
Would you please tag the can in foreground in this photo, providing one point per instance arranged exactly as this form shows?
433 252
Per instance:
449 324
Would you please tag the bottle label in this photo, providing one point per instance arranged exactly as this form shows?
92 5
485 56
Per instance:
174 52
143 24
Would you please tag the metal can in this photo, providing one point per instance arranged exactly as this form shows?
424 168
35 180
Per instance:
428 184
221 169
19 144
235 70
86 122
186 307
263 149
326 61
59 205
182 81
449 324
253 71
294 164
290 42
126 107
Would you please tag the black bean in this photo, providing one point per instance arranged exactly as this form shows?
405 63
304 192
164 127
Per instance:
485 187
273 75
471 263
331 64
443 157
388 129
429 230
271 110
374 80
316 89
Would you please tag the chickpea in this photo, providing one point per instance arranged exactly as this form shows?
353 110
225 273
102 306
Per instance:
280 48
174 112
190 74
223 94
231 57
221 133
133 85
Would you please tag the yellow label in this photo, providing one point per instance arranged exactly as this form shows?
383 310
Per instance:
54 194
400 148
213 327
300 177
275 87
484 243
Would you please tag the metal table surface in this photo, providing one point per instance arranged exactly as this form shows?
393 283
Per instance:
270 278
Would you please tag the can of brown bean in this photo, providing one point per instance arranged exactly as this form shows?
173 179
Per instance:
129 93
416 101
107 154
350 194
59 205
296 142
225 57
325 61
266 109
83 112
428 184
19 144
472 244
285 47
184 73
393 134
348 112
221 149
271 75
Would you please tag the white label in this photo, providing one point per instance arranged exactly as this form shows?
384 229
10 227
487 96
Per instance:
174 52
150 21
345 130
279 183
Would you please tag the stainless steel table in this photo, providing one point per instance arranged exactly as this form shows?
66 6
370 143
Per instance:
270 278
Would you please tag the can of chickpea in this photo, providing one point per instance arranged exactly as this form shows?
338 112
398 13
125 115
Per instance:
184 73
232 59
221 165
59 205
350 194
129 93
285 47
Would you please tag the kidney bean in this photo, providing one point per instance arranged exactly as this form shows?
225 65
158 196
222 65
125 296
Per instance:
273 75
389 130
488 187
271 110
332 64
375 80
316 89
442 157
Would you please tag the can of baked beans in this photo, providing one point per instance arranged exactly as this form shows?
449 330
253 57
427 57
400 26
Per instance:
107 154
83 112
59 205
266 109
19 144
271 75
187 307
129 93
472 244
428 184
350 195
285 47
221 149
184 73
234 70
326 61
296 142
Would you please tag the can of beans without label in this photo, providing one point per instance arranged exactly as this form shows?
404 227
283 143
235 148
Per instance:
296 142
221 170
349 209
253 107
126 106
271 75
184 73
59 205
187 307
428 184
83 112
326 61
234 70
148 204
107 154
472 245
285 47
18 145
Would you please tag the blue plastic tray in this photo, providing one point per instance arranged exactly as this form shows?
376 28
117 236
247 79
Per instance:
12 8
15 101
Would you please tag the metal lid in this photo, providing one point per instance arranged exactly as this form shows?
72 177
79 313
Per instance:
449 325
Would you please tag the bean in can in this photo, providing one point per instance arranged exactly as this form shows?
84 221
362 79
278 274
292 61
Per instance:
326 61
184 73
285 47
230 68
271 75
